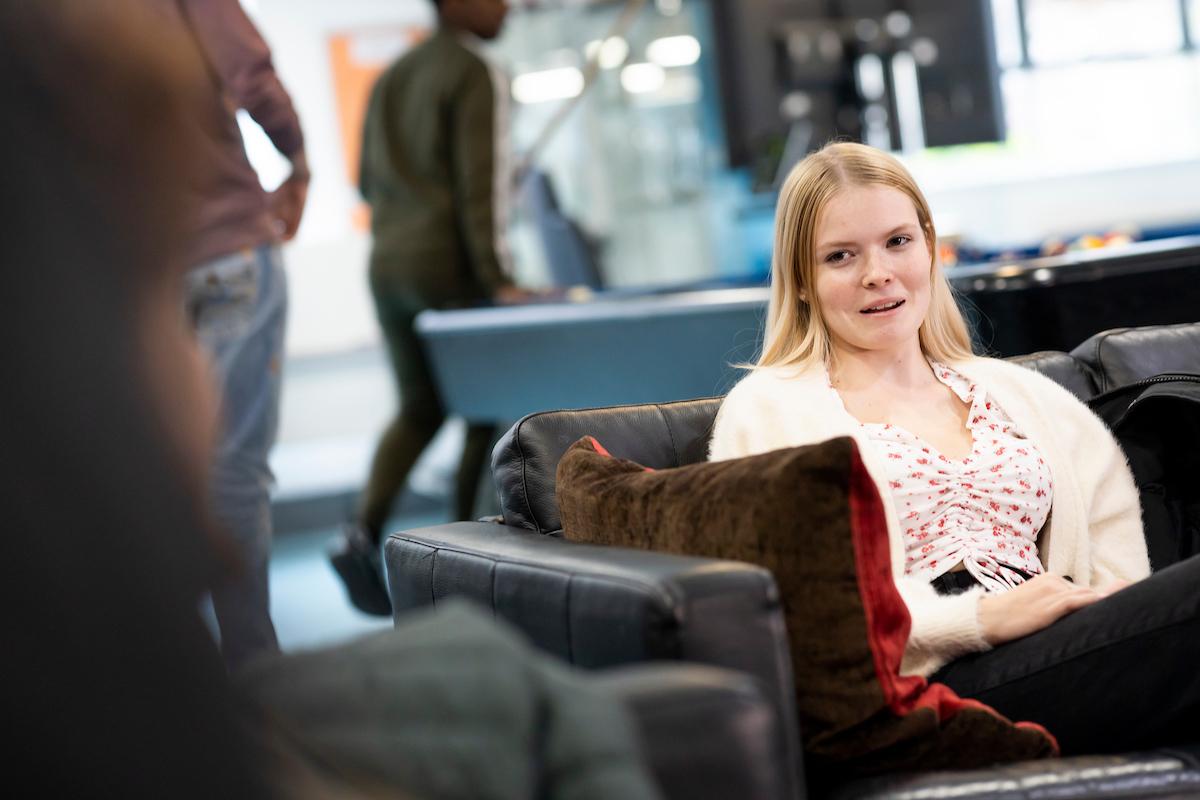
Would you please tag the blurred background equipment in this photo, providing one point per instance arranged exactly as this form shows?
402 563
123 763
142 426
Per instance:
571 257
896 74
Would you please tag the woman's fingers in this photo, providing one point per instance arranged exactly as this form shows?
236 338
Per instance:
1073 600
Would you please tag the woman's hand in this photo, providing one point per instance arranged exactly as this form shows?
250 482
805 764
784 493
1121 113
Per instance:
1030 607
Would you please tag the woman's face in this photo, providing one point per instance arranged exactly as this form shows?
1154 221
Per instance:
872 270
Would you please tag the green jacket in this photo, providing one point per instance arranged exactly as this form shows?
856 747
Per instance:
428 172
450 705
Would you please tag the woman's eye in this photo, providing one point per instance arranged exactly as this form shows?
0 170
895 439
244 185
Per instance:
837 257
899 240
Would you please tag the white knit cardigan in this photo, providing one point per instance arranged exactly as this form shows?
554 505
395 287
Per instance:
1094 533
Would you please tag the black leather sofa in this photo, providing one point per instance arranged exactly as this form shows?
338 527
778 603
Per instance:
599 607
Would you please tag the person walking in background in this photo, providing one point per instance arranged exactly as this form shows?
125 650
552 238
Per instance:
431 174
236 292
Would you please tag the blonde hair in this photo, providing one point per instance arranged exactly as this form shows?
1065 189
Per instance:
796 333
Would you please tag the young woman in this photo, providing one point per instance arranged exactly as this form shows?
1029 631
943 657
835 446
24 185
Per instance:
1014 520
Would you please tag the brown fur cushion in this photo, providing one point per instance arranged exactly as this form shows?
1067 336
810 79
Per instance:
813 517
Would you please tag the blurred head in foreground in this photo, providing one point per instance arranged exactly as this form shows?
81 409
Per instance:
112 681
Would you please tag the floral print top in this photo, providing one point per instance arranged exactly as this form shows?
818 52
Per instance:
984 510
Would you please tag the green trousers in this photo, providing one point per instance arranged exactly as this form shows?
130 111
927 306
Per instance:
419 418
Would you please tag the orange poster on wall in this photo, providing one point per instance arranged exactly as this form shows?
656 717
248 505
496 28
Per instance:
356 59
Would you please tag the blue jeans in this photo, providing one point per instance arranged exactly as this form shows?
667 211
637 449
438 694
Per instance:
238 306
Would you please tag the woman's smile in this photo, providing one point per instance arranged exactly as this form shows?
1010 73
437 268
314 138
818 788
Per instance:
884 308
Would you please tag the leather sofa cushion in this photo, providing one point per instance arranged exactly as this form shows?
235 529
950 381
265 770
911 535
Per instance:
812 516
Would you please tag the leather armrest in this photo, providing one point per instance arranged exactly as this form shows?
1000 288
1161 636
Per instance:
739 753
598 606
591 605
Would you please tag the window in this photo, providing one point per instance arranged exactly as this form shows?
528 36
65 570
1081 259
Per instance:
1065 31
1007 28
1107 82
630 164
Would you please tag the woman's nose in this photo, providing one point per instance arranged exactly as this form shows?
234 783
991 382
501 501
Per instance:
875 272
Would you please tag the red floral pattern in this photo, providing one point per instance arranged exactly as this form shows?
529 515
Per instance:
984 510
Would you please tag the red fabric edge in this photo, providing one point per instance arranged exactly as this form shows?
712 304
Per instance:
888 621
978 706
599 448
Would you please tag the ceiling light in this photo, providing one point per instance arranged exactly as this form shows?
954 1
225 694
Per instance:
674 51
613 52
549 84
642 78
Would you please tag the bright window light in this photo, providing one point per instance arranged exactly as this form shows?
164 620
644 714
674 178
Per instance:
550 84
642 78
674 51
613 52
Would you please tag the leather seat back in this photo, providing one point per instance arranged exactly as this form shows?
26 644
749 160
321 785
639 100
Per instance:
658 435
1064 369
1124 355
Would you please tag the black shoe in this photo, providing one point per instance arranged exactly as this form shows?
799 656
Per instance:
355 558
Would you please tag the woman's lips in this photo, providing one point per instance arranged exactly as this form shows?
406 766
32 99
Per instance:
884 308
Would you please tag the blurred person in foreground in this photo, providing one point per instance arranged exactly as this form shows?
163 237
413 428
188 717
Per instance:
236 290
111 679
112 682
435 177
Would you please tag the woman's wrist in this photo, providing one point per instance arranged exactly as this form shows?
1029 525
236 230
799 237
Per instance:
985 609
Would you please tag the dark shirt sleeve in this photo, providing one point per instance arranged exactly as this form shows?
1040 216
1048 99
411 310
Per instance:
474 159
241 61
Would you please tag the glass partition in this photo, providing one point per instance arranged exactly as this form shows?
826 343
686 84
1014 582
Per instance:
630 164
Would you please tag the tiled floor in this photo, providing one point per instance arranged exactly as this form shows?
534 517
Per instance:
308 604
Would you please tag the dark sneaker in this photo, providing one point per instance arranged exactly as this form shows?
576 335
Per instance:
355 558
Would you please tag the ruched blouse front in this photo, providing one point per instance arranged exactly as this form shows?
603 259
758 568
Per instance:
984 510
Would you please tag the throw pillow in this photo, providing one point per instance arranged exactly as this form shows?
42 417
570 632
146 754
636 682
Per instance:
814 518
